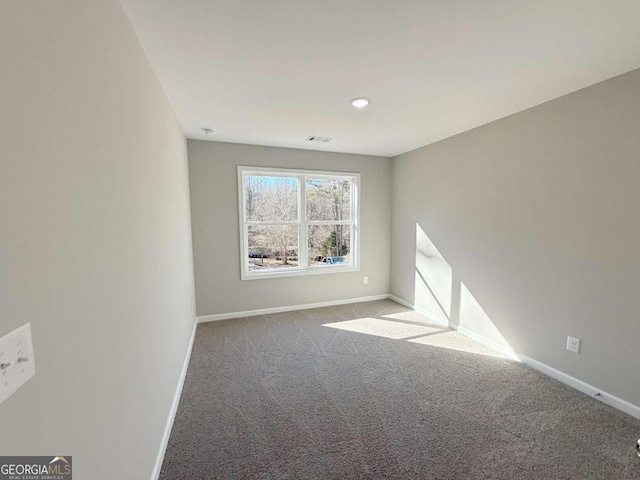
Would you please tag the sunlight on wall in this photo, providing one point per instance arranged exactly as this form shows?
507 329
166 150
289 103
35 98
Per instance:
440 294
474 318
433 278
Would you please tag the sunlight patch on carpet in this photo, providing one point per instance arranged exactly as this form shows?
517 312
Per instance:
428 335
455 341
383 328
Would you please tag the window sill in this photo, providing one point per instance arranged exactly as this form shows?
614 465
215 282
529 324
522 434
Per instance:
299 272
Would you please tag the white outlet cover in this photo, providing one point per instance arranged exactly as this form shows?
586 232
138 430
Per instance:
573 344
16 345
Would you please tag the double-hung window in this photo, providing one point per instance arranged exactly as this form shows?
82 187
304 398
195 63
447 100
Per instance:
297 222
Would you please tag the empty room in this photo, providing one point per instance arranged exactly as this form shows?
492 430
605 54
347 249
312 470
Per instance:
319 240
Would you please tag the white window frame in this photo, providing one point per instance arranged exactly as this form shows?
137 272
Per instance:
303 268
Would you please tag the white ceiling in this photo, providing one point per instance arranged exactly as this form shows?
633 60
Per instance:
273 72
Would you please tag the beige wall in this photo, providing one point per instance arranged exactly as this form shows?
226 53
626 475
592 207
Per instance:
216 244
527 230
95 239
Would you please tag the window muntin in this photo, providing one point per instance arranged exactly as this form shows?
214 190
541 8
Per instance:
297 222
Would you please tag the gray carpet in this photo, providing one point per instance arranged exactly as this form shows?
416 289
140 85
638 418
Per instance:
370 391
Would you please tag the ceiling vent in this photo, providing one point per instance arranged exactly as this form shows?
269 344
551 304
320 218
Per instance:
319 139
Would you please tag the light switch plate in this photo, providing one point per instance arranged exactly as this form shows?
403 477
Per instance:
17 364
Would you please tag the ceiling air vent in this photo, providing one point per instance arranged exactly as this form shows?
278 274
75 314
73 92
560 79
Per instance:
319 139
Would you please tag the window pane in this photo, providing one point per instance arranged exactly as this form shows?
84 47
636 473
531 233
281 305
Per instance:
329 244
271 198
328 199
273 246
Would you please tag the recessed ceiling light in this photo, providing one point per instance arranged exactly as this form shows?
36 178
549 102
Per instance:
209 131
360 102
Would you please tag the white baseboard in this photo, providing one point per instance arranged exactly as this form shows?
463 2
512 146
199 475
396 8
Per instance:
599 394
465 331
174 408
435 318
611 400
290 308
485 341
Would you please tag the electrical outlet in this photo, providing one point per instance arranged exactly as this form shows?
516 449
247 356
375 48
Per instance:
17 364
365 280
573 344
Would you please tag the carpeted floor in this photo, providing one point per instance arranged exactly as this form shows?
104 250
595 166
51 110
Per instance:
370 390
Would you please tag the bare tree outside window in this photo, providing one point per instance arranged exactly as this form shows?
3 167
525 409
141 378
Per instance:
272 201
328 200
